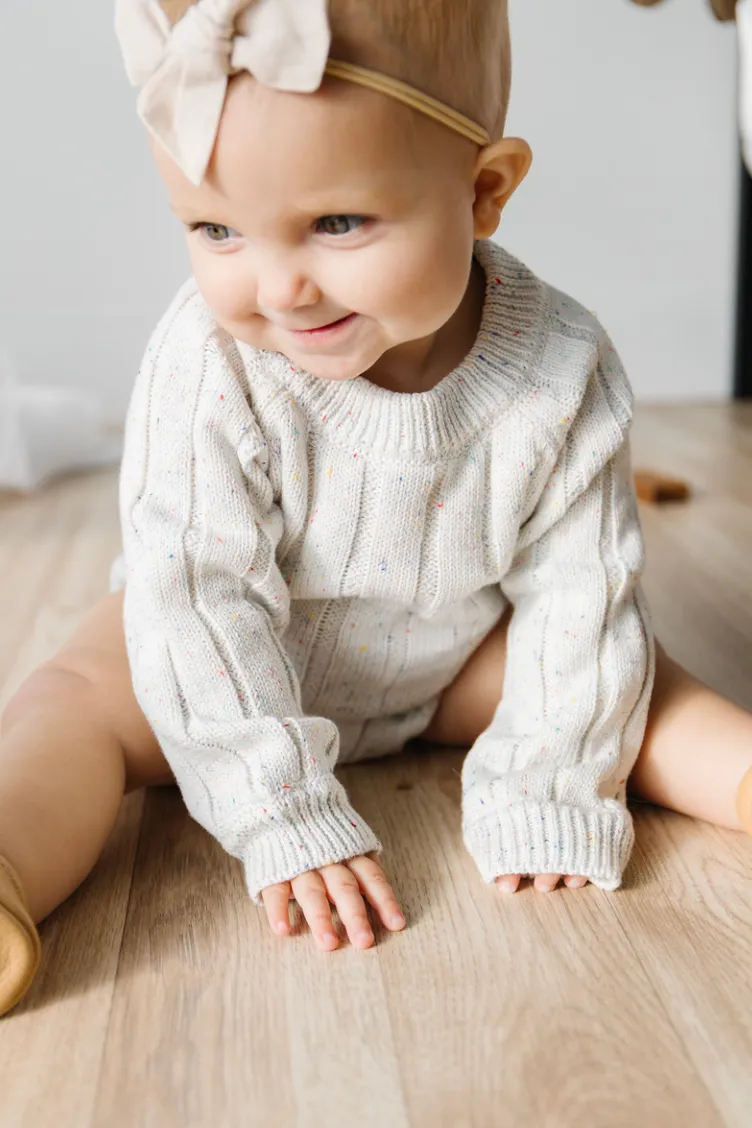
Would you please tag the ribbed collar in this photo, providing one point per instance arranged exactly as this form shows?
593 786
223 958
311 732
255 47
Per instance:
503 360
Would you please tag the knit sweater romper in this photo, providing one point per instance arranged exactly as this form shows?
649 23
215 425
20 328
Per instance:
308 564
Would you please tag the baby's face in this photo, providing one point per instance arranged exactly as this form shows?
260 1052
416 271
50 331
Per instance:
332 227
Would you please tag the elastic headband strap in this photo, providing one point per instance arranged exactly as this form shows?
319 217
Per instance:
409 96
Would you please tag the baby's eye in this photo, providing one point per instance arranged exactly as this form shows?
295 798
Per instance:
339 224
215 232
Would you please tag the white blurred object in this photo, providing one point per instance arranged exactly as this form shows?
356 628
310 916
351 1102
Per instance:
744 23
44 431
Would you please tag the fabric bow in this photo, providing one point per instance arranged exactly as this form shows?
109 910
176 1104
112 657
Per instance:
183 70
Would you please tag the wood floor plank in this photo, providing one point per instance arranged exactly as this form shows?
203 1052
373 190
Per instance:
690 920
165 1000
56 547
227 1024
710 445
699 589
531 1009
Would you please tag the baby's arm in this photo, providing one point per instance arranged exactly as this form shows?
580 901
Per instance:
544 787
205 609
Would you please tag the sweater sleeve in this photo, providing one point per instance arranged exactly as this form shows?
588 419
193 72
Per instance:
544 788
205 610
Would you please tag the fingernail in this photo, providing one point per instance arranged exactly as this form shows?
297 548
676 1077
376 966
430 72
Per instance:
507 884
281 926
364 937
397 920
576 882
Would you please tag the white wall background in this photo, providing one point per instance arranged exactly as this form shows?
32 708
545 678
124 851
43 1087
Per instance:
89 253
631 205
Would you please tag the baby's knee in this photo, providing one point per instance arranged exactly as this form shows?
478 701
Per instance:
53 686
87 689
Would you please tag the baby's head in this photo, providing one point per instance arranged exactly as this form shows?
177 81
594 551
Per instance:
337 227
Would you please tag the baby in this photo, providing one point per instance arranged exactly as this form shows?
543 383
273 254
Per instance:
376 487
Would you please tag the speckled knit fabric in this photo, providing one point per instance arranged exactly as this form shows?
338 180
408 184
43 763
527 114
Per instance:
308 564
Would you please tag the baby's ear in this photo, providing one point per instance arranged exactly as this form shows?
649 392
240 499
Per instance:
499 171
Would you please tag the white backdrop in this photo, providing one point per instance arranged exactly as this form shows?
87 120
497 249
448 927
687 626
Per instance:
631 205
632 202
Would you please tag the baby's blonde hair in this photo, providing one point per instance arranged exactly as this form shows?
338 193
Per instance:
456 50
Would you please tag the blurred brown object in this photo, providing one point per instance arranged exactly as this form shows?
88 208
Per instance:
655 487
175 9
723 9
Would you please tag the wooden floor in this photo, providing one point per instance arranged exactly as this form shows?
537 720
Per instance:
164 1000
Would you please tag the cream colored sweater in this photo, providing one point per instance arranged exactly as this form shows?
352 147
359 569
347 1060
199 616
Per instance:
308 564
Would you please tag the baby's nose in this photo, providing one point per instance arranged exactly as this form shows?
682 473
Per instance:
281 291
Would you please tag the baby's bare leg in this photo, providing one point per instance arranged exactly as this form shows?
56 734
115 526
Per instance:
73 741
697 747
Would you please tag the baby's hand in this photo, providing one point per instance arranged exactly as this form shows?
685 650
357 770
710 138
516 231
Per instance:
344 884
544 882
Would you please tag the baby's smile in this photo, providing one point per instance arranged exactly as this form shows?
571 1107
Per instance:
329 331
346 244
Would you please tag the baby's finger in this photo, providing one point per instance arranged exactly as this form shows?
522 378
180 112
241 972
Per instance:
509 882
342 885
276 899
547 882
311 896
375 885
573 882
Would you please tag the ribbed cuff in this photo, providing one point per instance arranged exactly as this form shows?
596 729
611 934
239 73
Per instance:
532 838
316 832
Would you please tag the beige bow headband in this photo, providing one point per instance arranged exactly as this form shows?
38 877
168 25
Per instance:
183 70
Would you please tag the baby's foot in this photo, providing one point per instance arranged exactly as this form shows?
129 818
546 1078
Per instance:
544 882
20 947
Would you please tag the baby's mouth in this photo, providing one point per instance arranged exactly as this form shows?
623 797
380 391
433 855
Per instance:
330 327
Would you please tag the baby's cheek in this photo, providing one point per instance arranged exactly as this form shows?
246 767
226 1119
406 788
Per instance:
430 280
223 286
394 288
429 293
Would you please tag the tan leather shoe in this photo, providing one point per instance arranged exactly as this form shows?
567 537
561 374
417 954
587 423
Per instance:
20 946
744 802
